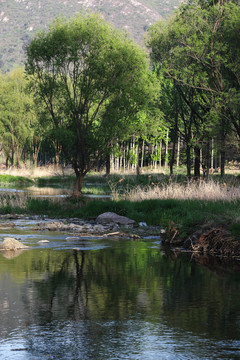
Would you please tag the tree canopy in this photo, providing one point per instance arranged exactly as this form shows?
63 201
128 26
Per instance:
17 120
92 80
198 51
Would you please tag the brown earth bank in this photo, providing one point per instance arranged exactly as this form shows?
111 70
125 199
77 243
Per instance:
208 240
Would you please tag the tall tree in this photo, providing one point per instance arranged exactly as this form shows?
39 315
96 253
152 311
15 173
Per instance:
92 80
199 50
15 115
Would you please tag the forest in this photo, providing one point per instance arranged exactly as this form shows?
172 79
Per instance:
91 98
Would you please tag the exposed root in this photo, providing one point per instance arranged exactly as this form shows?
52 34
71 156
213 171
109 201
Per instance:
208 240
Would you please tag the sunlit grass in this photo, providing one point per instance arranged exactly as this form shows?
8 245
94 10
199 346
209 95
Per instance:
201 190
17 180
152 198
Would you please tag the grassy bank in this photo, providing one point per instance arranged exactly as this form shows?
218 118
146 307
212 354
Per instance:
10 180
152 198
186 215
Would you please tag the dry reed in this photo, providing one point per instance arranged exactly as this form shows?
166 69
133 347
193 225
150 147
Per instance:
202 190
14 200
35 172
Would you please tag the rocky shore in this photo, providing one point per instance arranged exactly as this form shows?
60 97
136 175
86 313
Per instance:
208 240
107 225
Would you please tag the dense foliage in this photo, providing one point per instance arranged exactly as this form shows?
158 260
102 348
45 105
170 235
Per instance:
91 81
196 55
97 101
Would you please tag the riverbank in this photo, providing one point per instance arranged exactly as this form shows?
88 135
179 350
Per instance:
191 225
208 211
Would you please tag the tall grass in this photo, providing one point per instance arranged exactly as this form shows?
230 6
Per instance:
202 190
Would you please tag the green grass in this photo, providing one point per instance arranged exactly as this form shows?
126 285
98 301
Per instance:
188 215
15 180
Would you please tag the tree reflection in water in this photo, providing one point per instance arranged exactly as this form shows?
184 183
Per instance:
125 299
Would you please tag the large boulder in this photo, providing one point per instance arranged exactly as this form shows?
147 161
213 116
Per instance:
110 217
12 244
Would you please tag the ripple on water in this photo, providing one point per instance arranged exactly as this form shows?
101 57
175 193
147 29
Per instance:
130 339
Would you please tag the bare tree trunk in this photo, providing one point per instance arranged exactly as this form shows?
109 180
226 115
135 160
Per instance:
137 164
124 157
208 158
222 166
197 163
178 151
188 155
173 151
160 155
133 153
78 184
129 153
108 165
143 152
156 153
6 162
112 162
212 154
166 151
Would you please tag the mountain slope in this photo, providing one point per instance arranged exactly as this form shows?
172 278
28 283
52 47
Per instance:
19 19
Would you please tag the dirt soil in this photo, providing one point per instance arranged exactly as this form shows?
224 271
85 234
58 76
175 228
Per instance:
207 240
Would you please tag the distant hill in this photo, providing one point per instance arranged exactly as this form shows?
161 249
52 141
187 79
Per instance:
19 19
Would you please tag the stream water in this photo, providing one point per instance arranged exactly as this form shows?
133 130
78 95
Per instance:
95 298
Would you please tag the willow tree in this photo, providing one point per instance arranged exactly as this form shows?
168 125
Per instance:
16 115
92 80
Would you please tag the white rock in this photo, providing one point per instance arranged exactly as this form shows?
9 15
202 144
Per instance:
142 224
12 244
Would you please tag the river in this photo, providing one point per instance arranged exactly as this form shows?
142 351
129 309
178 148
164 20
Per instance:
105 299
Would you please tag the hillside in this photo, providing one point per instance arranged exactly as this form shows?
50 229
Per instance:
19 19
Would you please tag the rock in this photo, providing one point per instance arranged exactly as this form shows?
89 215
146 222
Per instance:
73 238
12 244
110 217
56 226
7 225
142 224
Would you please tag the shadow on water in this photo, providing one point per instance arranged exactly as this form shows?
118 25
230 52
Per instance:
116 300
49 192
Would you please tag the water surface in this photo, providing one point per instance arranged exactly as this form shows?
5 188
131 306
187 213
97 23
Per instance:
95 298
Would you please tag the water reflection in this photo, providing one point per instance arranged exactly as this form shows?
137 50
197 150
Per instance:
48 192
126 301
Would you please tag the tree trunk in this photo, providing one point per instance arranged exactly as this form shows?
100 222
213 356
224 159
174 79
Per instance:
57 160
160 155
78 184
142 159
108 165
212 155
137 163
197 163
222 154
208 158
178 152
188 155
12 158
166 150
173 152
124 157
